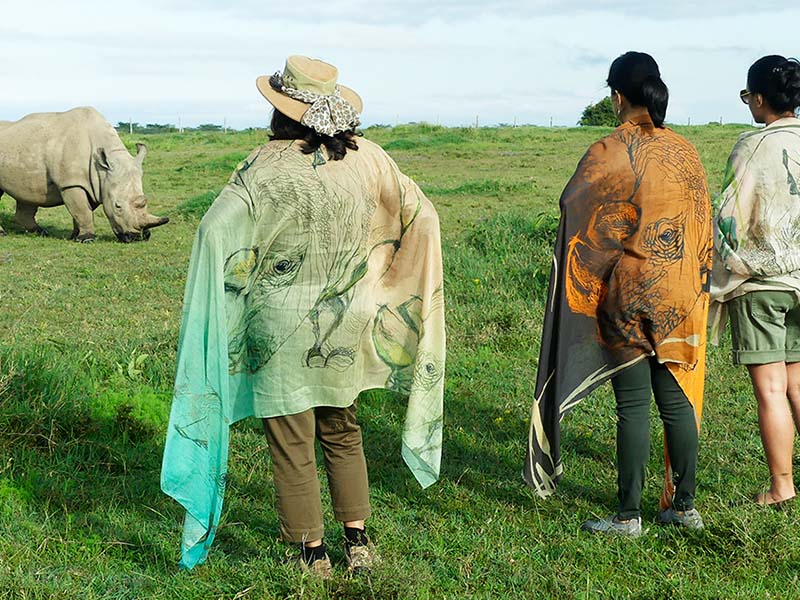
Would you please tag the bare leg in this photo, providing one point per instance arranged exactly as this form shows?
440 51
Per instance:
776 426
78 206
26 218
793 391
355 524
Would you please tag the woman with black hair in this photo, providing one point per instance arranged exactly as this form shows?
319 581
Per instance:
316 274
628 300
756 274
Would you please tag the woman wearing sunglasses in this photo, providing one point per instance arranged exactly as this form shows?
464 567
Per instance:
756 276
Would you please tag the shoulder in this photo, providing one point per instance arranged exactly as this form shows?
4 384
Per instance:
371 156
676 138
369 148
762 145
275 153
86 112
684 149
608 149
748 139
83 115
604 147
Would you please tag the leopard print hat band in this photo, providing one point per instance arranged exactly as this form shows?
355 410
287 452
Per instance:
327 114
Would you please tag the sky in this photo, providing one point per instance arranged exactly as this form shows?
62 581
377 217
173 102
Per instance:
441 61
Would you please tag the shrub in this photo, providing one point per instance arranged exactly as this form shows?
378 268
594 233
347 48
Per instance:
599 114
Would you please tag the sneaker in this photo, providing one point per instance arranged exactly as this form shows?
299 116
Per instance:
613 526
361 557
689 519
318 567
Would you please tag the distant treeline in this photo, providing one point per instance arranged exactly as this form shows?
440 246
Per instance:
133 127
593 115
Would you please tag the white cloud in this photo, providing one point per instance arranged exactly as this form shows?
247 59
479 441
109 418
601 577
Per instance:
445 60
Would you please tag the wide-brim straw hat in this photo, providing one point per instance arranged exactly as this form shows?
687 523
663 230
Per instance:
310 74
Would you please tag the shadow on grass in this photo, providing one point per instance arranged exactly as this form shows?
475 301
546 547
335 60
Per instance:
97 470
10 226
85 472
479 456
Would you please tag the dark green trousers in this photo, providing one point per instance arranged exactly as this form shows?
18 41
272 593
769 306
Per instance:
633 389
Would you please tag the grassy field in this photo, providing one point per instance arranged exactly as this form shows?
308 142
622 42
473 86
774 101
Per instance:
87 353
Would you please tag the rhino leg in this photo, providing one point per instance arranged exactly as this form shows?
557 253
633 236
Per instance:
2 232
77 204
26 218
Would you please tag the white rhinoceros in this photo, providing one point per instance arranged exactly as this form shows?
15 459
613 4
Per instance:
74 158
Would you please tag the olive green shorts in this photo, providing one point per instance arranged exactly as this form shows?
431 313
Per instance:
765 327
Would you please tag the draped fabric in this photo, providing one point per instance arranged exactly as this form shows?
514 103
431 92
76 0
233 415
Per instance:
629 279
757 218
310 280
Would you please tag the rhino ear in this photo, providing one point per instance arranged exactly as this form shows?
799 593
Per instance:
141 152
101 160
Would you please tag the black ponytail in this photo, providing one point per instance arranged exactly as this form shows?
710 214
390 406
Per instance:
777 79
636 76
656 96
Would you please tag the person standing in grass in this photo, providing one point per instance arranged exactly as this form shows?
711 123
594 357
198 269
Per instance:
315 274
628 301
756 277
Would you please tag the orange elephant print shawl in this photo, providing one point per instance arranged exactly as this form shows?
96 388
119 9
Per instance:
630 279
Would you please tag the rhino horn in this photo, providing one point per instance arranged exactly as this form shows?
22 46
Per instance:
151 221
141 152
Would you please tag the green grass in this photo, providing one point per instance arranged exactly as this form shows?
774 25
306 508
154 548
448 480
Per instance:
87 353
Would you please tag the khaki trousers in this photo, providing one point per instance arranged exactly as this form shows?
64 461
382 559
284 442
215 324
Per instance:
294 465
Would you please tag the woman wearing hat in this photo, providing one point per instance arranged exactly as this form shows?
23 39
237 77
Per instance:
756 276
628 301
316 274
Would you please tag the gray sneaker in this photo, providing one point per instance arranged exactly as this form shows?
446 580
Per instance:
690 519
613 526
